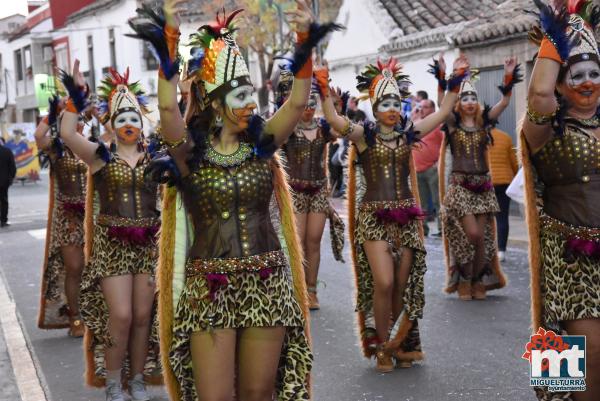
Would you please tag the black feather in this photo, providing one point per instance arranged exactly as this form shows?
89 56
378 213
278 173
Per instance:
370 130
264 144
58 147
325 129
436 71
517 77
345 98
149 26
303 51
53 110
103 152
455 80
78 95
163 170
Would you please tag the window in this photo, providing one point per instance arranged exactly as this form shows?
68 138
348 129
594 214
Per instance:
149 59
28 66
92 72
61 55
18 65
113 51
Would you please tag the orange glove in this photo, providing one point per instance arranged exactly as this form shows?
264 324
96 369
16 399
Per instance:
322 78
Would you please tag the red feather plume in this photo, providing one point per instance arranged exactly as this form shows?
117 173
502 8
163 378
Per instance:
223 21
118 79
574 6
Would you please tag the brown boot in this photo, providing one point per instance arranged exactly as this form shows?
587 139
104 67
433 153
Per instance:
313 301
76 327
464 291
385 364
478 290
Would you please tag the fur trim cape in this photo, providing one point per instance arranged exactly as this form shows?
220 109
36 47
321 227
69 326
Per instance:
173 254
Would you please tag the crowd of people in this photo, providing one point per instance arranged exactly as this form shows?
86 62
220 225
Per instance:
191 260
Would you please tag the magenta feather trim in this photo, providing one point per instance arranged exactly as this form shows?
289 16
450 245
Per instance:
216 281
401 216
74 207
584 247
134 235
305 188
478 188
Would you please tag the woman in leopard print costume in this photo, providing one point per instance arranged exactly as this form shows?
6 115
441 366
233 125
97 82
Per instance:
387 235
305 155
233 313
117 288
469 202
560 147
63 262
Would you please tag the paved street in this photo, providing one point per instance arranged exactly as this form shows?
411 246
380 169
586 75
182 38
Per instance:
473 350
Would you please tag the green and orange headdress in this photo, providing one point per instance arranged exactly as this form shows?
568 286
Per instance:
382 80
116 95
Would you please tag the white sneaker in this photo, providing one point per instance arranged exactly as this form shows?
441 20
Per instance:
114 392
501 256
137 388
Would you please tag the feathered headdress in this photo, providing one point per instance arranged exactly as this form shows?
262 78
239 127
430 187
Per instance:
382 81
571 29
216 58
116 95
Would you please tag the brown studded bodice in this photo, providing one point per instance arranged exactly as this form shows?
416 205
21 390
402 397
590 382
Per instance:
306 158
386 171
468 148
229 208
70 174
123 192
569 169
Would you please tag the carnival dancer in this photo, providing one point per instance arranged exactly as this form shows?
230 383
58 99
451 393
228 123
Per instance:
117 290
386 233
469 202
560 149
63 255
306 160
233 308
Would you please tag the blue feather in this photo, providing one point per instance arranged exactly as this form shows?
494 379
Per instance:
78 95
436 71
195 61
59 148
455 80
325 128
103 152
370 129
264 144
554 25
163 170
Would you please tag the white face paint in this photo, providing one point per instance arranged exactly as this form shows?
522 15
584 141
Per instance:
130 118
240 97
389 105
583 71
468 100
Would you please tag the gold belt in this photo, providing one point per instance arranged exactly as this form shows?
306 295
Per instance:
118 221
373 206
567 230
254 263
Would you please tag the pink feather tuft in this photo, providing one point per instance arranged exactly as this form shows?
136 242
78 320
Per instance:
216 281
133 235
74 207
401 216
589 248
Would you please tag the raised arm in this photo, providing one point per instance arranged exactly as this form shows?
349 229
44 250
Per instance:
283 122
341 124
512 76
460 72
541 101
42 139
161 31
76 104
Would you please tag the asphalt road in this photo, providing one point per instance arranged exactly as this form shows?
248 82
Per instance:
473 349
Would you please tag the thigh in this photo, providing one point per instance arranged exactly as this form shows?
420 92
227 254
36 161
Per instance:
403 271
469 224
143 294
117 291
315 224
73 256
213 361
381 262
259 349
301 226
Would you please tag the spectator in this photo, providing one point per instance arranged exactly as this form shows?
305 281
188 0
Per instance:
503 166
8 170
426 156
416 108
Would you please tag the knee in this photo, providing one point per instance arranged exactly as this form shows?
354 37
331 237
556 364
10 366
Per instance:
141 319
474 235
385 287
120 319
313 244
256 392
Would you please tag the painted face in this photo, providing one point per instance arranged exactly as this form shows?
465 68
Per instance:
388 112
240 105
468 104
128 126
583 84
310 109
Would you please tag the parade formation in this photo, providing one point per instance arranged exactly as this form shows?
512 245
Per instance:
190 259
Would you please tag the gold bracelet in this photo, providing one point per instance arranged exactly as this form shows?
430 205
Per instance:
174 144
539 118
348 129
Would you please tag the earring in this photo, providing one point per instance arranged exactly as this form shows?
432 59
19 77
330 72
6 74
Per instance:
219 120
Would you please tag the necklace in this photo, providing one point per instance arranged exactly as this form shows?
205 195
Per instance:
389 136
593 122
243 153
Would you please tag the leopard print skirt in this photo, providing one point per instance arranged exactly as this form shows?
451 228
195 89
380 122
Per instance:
248 300
306 202
113 257
459 202
369 228
66 229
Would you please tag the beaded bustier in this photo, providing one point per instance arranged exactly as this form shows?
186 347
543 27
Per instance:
70 174
468 146
229 208
123 192
386 171
306 158
569 169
